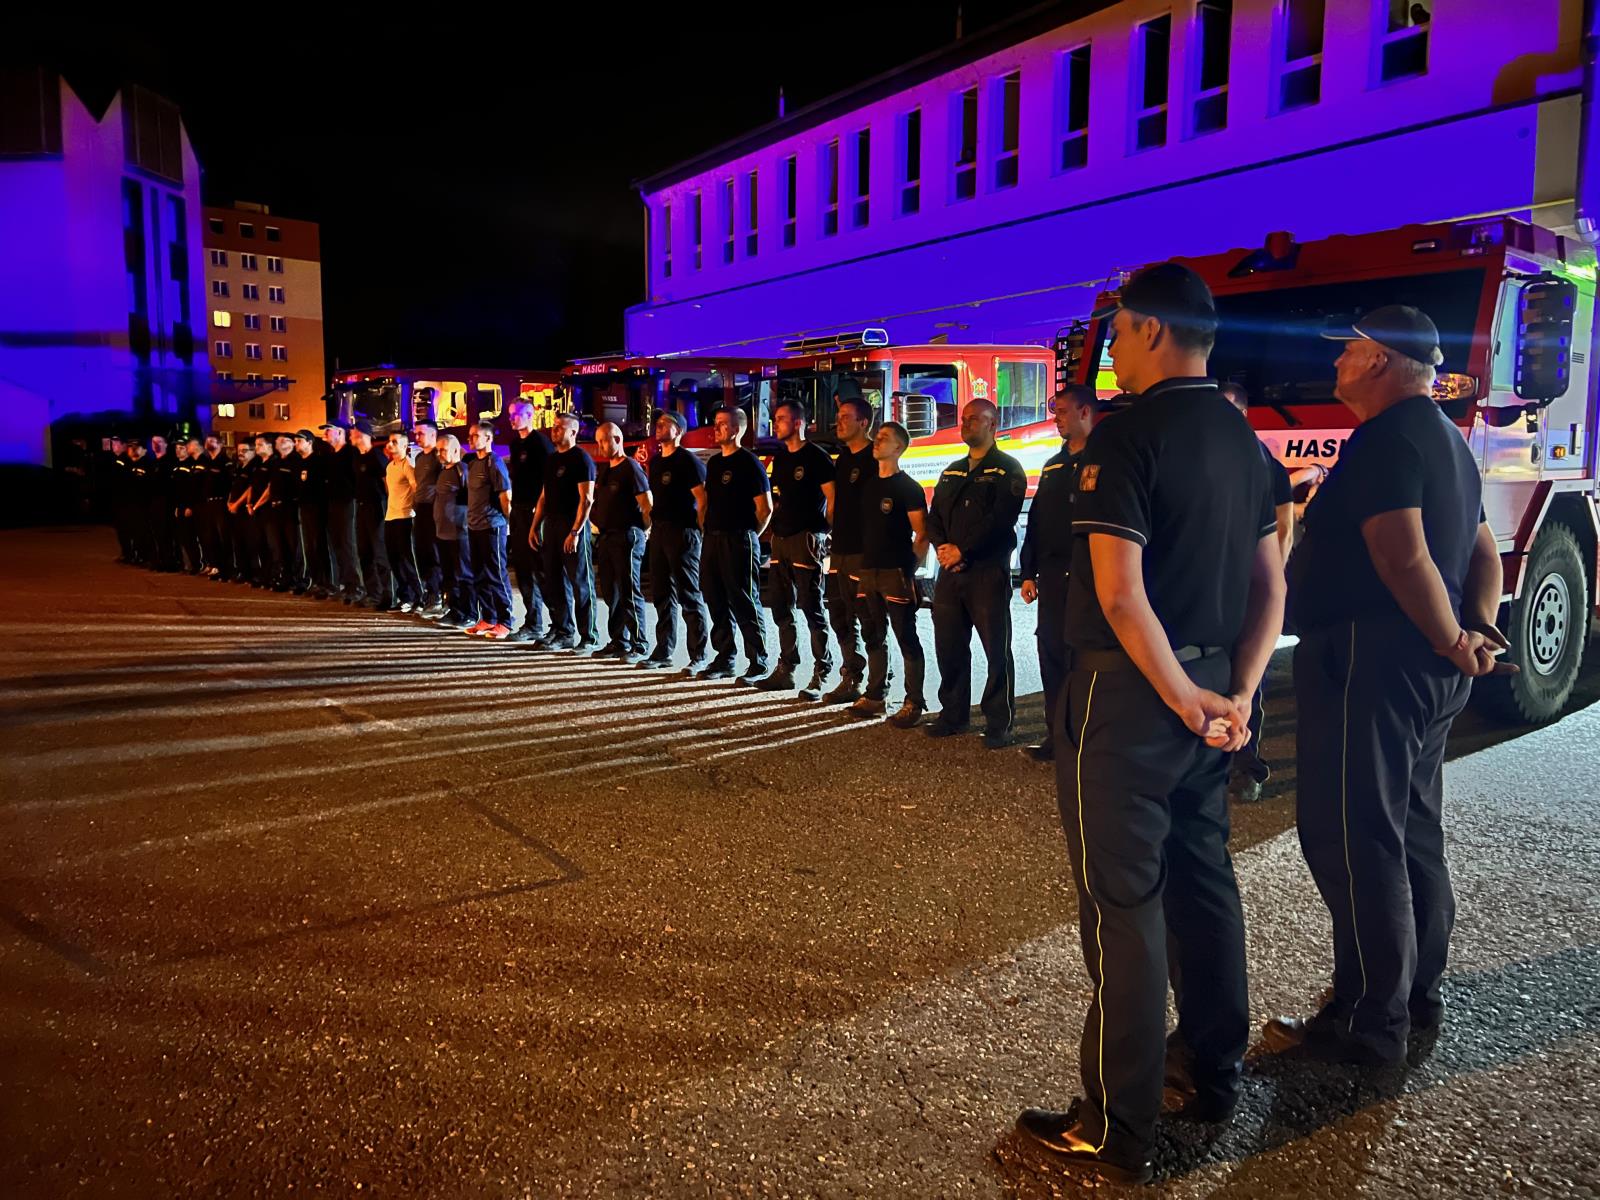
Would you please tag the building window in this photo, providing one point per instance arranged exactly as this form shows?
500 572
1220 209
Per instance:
275 294
275 265
861 207
279 324
280 354
752 214
1152 52
221 318
219 258
729 221
252 350
258 409
966 157
219 287
911 162
791 197
1213 29
225 377
252 320
255 377
215 225
222 349
247 261
666 241
280 412
1008 94
1072 108
1299 36
830 188
281 382
1403 39
274 234
250 291
246 230
696 225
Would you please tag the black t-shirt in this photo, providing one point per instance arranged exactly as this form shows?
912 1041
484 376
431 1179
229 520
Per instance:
215 472
797 478
1047 545
525 460
564 470
733 481
339 473
371 471
487 477
885 528
673 478
261 468
1182 476
1410 456
617 487
426 467
450 501
240 479
313 477
1282 489
286 479
852 471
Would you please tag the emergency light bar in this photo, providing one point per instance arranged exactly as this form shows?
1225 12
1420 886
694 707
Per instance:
837 341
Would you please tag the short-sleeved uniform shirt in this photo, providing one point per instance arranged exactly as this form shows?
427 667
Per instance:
339 471
260 476
450 501
285 479
426 466
216 471
1181 475
886 535
312 478
1409 456
673 478
733 481
564 471
240 480
1282 489
853 470
370 469
1047 545
797 478
526 457
487 477
617 488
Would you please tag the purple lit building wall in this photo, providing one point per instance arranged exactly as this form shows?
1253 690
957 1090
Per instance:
102 316
985 193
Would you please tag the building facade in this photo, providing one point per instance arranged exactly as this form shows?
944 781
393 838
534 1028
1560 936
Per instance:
986 192
102 316
264 312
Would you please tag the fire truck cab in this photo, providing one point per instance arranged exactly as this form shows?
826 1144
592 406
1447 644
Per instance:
1514 304
629 390
394 398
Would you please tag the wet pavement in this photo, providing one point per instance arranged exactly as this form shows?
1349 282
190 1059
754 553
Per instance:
299 898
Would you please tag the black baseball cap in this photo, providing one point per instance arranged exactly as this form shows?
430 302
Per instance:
1397 327
1167 291
305 433
362 425
675 417
333 425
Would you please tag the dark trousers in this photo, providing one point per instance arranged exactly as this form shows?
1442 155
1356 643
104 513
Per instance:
342 544
569 582
525 562
794 580
728 575
188 535
493 588
141 534
269 543
1052 637
1374 707
163 536
979 597
1249 761
244 546
1144 806
214 535
397 541
376 579
618 555
674 584
884 608
456 576
122 520
844 613
425 546
314 540
292 564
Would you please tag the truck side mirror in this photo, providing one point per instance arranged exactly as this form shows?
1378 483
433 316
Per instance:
919 414
1545 311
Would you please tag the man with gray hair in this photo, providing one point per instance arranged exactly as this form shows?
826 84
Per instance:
527 452
561 533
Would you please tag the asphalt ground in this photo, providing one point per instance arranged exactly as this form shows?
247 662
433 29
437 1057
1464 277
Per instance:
300 898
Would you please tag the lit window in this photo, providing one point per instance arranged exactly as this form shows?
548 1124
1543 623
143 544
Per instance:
911 162
1006 162
1152 53
966 157
1213 27
1299 36
1403 40
223 411
1072 108
221 318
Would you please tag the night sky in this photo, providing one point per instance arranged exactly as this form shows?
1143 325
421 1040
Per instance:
473 181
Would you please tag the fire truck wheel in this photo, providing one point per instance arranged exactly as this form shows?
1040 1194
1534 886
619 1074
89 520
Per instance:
1548 628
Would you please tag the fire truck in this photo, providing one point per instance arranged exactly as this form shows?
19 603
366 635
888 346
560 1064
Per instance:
629 390
394 398
1514 304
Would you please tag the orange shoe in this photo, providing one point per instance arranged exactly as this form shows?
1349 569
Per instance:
498 632
479 628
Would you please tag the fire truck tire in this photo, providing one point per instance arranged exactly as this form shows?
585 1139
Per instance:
1548 628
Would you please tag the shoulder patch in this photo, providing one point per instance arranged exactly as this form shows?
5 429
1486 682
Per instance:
1089 477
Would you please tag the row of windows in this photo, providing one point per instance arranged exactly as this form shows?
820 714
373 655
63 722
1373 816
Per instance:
247 291
246 229
256 410
219 258
251 350
223 319
1400 51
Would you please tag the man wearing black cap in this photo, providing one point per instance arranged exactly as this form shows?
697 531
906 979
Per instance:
1397 586
678 498
1047 547
372 498
339 481
1174 603
313 488
526 455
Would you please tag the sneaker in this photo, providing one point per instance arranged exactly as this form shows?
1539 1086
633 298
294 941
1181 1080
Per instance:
715 671
498 632
908 716
480 628
1244 789
847 690
452 622
406 606
524 634
611 650
779 681
588 648
652 663
866 706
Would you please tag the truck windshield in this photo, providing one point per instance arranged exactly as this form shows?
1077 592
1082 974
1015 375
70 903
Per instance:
378 400
626 400
1271 341
818 390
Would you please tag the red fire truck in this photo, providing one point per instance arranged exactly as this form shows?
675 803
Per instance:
1514 304
628 390
394 398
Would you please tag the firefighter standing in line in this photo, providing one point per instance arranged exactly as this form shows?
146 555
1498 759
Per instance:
972 524
1047 547
678 499
311 481
1174 604
370 466
560 531
215 477
138 485
159 506
737 508
268 557
853 470
622 514
1396 590
242 549
285 509
802 489
339 480
188 500
526 454
426 466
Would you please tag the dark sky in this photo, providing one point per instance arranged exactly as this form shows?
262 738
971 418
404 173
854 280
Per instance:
472 177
